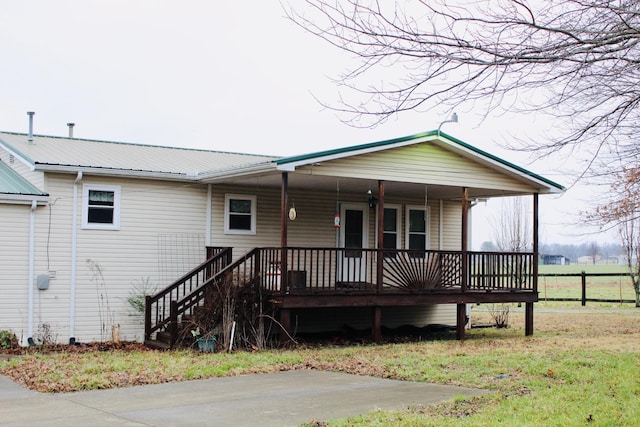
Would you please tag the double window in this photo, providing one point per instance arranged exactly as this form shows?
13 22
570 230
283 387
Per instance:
239 214
416 227
101 207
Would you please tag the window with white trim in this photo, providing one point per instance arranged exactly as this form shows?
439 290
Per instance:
101 207
391 226
239 214
417 228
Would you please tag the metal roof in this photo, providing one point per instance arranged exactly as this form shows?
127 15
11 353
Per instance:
61 154
13 187
68 154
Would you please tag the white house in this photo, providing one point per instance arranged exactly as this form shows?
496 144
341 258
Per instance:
85 222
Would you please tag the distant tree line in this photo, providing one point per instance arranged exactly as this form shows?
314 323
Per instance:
594 250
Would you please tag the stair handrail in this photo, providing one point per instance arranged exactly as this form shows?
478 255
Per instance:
181 306
221 257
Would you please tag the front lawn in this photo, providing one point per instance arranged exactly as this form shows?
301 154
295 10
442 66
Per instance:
578 369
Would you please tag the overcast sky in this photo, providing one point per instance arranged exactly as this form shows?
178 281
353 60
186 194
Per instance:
232 76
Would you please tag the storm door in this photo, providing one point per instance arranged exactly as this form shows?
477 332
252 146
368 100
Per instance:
354 236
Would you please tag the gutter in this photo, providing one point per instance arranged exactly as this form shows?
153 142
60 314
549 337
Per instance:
129 173
31 269
74 260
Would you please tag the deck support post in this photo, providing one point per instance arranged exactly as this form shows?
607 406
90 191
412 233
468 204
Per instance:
461 320
285 324
284 202
376 328
528 318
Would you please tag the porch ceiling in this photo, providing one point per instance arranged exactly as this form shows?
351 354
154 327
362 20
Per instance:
318 183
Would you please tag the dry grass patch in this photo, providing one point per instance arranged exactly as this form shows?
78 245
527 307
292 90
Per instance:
578 366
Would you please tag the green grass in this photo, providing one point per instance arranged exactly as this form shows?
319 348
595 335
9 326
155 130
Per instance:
577 369
616 289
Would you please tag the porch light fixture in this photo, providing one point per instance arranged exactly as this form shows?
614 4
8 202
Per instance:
453 119
371 199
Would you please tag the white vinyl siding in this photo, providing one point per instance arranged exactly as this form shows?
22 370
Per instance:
14 259
159 219
420 163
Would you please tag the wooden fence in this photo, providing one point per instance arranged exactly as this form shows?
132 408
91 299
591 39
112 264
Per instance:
583 282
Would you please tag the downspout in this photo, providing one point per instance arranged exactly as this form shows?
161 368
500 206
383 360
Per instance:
32 240
74 259
207 230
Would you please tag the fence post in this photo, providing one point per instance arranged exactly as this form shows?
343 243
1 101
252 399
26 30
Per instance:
584 288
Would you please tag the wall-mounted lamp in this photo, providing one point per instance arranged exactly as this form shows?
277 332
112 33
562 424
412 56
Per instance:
371 199
453 119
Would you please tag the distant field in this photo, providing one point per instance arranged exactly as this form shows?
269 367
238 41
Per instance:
615 288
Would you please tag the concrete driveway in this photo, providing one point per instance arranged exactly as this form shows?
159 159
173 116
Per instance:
275 399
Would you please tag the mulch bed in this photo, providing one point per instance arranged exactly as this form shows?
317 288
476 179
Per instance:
76 348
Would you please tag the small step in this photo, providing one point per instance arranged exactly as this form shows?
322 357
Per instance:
163 337
158 345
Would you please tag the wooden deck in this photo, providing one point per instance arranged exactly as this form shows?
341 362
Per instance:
338 277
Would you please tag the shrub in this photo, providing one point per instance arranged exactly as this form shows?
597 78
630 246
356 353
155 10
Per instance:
8 339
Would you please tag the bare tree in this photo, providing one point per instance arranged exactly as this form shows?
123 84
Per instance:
594 251
512 233
575 60
630 236
622 210
512 225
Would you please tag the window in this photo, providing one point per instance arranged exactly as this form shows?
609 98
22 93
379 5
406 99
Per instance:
391 228
239 214
101 207
416 228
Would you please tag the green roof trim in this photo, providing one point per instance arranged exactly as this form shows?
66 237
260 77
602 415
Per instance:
11 182
378 144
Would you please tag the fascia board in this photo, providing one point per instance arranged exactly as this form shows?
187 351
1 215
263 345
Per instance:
223 174
116 172
499 163
18 155
290 164
23 199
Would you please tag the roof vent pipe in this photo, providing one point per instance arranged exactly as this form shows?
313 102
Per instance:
71 125
30 137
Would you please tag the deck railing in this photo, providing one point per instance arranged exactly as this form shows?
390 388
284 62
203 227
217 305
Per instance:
340 270
158 306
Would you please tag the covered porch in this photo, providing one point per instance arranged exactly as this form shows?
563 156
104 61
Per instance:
338 247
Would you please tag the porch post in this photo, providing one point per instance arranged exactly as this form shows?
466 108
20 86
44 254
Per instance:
285 313
284 285
380 236
461 309
528 317
465 238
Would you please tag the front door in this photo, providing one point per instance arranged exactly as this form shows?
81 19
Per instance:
354 236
